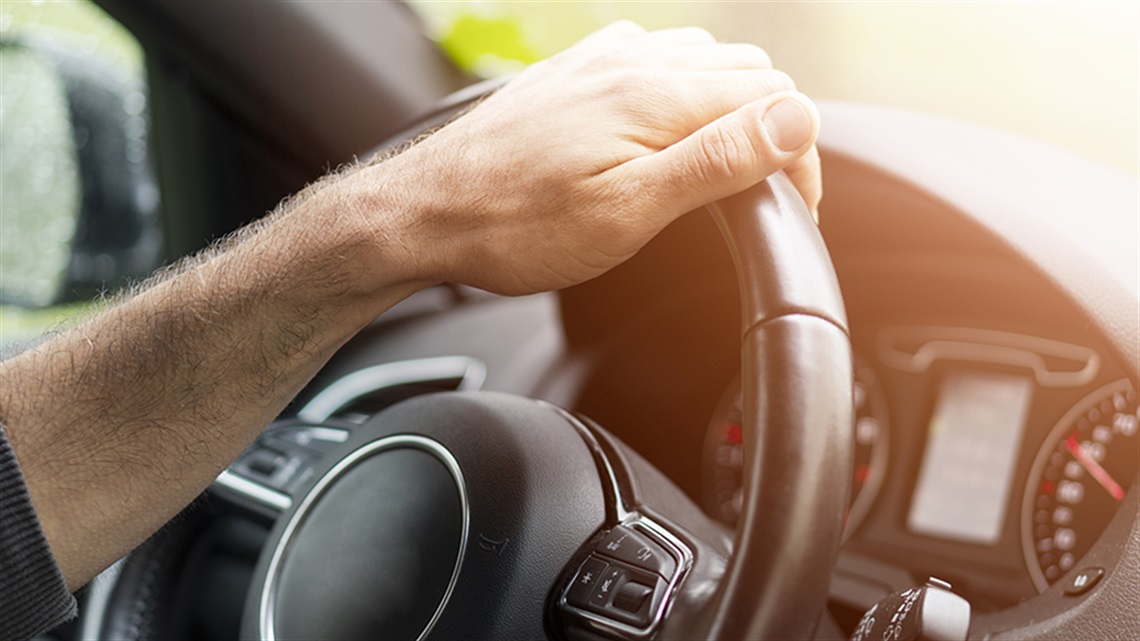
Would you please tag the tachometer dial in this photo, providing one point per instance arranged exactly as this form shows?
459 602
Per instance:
724 452
1078 480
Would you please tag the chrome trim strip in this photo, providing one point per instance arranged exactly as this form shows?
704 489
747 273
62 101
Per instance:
932 344
253 491
617 513
269 591
471 372
99 593
326 434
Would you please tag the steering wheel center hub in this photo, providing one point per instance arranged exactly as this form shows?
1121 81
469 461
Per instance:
447 515
376 544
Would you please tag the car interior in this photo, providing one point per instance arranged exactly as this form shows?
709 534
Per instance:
947 412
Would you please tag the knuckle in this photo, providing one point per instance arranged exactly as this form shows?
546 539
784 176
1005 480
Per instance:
723 153
633 89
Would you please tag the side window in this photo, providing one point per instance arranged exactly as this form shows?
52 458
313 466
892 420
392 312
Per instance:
78 200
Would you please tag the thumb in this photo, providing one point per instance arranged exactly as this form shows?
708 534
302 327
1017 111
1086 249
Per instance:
730 154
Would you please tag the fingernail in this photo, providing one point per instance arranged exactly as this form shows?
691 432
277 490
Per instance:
788 125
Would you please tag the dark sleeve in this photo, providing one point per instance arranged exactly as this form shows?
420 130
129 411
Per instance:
33 594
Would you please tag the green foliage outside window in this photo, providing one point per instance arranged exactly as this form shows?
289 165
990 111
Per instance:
37 149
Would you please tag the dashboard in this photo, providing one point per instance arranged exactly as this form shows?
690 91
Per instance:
997 460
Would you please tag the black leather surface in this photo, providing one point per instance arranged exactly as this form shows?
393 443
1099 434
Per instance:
376 552
797 387
534 495
782 264
797 373
899 146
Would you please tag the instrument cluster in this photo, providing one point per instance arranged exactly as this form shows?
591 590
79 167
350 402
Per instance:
998 441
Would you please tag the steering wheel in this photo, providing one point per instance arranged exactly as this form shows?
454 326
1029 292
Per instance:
483 515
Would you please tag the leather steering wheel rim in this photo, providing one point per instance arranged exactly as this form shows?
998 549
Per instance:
797 388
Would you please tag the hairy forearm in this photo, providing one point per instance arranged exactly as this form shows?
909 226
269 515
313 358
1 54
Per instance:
122 420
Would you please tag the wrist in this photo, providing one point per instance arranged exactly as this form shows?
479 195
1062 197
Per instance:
408 219
353 239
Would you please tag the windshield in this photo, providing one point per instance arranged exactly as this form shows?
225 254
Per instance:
1066 73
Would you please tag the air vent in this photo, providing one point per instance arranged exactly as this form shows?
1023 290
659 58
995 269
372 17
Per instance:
367 405
373 389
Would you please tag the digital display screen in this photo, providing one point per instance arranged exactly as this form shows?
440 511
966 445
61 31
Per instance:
971 446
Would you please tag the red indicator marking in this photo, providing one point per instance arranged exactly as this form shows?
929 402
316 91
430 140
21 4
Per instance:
861 473
1094 469
733 434
1047 487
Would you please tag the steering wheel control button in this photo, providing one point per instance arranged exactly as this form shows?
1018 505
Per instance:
277 463
607 587
632 596
588 578
622 588
626 544
626 594
1083 581
265 462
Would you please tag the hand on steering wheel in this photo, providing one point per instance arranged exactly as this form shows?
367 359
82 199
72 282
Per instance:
648 127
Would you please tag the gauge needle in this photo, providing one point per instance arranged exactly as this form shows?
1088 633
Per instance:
1095 470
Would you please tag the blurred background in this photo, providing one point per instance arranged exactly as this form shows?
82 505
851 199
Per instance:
1064 72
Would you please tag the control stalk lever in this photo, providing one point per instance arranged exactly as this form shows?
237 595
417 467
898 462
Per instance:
927 613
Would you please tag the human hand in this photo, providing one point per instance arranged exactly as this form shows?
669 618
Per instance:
579 161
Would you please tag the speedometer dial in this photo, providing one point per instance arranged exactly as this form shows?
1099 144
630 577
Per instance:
723 469
1078 480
